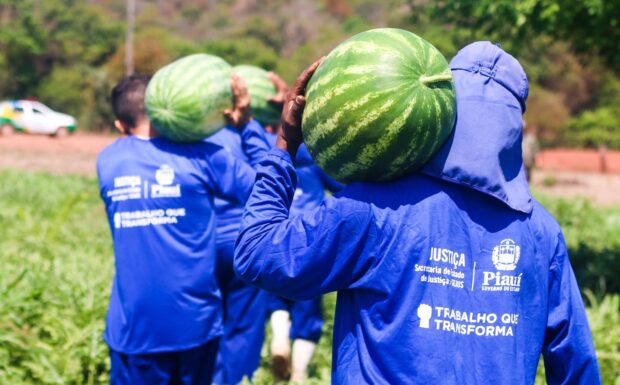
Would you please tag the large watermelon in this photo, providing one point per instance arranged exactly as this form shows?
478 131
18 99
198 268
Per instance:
378 106
261 88
185 100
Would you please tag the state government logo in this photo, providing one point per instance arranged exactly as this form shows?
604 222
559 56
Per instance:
164 175
506 255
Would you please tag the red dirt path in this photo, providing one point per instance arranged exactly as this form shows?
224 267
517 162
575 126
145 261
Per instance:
560 172
76 154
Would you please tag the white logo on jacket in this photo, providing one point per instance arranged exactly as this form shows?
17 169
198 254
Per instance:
164 175
164 188
506 255
424 313
505 258
298 193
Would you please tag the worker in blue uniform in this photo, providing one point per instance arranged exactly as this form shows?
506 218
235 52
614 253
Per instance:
245 306
450 275
299 321
165 315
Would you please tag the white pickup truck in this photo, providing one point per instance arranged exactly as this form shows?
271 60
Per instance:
34 117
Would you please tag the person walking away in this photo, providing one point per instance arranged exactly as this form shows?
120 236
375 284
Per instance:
450 275
244 305
164 319
299 321
530 148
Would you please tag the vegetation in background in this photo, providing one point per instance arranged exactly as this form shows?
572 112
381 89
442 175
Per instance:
68 53
592 237
54 282
591 27
57 267
55 247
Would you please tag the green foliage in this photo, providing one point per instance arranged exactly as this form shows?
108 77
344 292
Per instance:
247 50
81 91
549 181
595 128
609 94
547 113
592 237
154 47
56 271
37 36
567 48
604 319
601 125
23 44
77 32
590 26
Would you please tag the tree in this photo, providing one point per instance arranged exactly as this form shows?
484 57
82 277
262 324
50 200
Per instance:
590 26
595 128
38 36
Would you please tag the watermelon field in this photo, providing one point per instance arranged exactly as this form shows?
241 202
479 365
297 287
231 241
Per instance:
382 101
57 268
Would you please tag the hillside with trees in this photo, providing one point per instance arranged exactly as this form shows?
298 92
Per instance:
68 53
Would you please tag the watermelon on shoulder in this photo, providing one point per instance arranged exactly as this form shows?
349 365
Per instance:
261 88
379 106
185 99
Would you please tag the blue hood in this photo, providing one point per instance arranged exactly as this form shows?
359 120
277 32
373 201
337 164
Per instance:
303 157
484 151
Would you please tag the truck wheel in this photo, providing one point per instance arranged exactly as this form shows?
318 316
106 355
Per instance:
61 132
6 130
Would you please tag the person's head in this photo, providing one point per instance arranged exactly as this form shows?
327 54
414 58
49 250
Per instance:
128 104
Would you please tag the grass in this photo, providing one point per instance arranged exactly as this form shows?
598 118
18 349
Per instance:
56 270
57 267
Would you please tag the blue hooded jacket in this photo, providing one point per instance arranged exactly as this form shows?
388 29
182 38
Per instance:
246 309
310 191
228 213
158 197
454 275
311 183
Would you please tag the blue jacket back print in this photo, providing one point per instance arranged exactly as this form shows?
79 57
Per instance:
453 275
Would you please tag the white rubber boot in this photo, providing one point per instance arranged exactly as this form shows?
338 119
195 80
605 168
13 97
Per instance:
302 354
280 345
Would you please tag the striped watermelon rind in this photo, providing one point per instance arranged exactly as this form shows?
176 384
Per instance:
185 99
261 88
379 106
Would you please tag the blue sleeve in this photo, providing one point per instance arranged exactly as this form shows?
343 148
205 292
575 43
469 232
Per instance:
326 249
328 182
568 350
230 178
254 142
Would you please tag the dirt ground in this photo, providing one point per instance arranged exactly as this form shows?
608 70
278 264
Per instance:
568 173
563 173
76 154
601 189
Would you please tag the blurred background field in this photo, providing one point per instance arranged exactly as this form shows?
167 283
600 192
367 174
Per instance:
57 266
55 247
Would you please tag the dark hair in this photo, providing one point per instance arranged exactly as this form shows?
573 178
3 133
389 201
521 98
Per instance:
128 99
